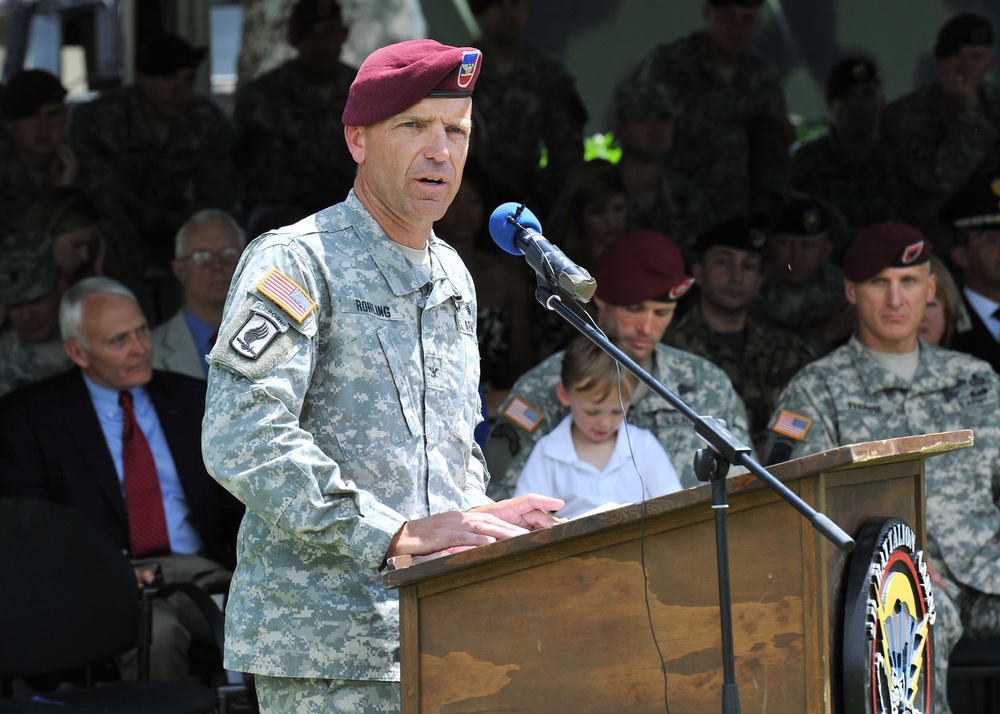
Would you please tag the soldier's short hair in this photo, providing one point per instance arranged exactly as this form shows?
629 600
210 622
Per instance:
71 305
588 368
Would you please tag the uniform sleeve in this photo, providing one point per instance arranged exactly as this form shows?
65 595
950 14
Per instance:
261 369
804 421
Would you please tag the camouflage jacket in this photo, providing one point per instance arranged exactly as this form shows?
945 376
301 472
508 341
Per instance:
290 142
20 366
679 210
936 148
802 313
728 137
770 358
863 190
342 399
528 106
532 410
192 165
847 397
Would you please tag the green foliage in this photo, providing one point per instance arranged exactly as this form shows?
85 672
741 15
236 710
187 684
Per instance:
601 146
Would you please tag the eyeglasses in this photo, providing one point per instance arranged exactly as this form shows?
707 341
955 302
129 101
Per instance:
204 258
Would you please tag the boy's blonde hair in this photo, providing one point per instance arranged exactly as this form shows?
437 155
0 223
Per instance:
588 368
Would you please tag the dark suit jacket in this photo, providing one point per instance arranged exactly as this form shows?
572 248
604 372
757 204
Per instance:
52 446
976 339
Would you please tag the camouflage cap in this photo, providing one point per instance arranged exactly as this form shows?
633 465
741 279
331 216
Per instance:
639 266
398 76
885 245
639 98
28 269
975 205
801 215
307 13
966 28
850 72
741 233
29 90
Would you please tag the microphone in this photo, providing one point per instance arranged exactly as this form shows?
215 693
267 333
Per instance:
515 229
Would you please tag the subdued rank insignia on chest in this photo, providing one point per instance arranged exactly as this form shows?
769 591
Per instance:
463 316
523 414
286 294
256 335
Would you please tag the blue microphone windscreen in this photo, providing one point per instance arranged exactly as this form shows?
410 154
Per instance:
504 232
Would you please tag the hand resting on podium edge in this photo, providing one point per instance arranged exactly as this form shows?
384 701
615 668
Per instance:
455 531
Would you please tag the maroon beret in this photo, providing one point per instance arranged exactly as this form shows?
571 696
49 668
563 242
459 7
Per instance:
639 266
28 91
885 245
396 77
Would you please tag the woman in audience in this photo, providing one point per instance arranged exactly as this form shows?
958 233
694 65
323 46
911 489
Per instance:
72 222
938 325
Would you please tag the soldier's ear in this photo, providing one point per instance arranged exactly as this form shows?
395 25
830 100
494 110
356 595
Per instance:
849 292
355 137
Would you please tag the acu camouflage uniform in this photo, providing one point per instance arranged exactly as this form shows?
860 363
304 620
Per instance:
936 148
802 312
163 175
698 382
299 159
19 365
334 430
864 191
727 138
769 359
680 210
519 110
850 398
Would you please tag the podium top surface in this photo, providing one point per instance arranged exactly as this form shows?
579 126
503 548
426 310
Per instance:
402 571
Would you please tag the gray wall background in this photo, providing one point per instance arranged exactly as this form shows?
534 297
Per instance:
600 41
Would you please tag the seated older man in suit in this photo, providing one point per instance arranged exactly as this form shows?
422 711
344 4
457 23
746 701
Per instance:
207 249
120 442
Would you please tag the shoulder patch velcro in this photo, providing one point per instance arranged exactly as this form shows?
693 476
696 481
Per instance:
792 425
523 414
286 294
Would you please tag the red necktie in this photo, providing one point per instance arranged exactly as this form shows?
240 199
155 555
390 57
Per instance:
147 522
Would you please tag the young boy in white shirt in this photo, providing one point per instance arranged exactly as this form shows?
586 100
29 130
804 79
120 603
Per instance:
587 459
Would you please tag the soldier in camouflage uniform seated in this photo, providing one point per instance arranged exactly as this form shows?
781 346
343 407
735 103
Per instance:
850 166
640 277
30 346
948 131
887 383
290 142
731 133
758 359
171 148
343 395
527 104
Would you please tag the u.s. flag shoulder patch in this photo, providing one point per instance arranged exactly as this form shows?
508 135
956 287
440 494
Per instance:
523 414
286 294
792 425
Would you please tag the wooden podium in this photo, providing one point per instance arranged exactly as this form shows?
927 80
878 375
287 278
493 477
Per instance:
564 620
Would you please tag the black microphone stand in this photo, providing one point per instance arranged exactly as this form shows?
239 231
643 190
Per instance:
710 464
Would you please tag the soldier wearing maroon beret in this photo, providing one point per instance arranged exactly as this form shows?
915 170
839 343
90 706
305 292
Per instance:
885 383
640 277
344 398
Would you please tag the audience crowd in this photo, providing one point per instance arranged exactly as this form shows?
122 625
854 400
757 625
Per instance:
717 241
